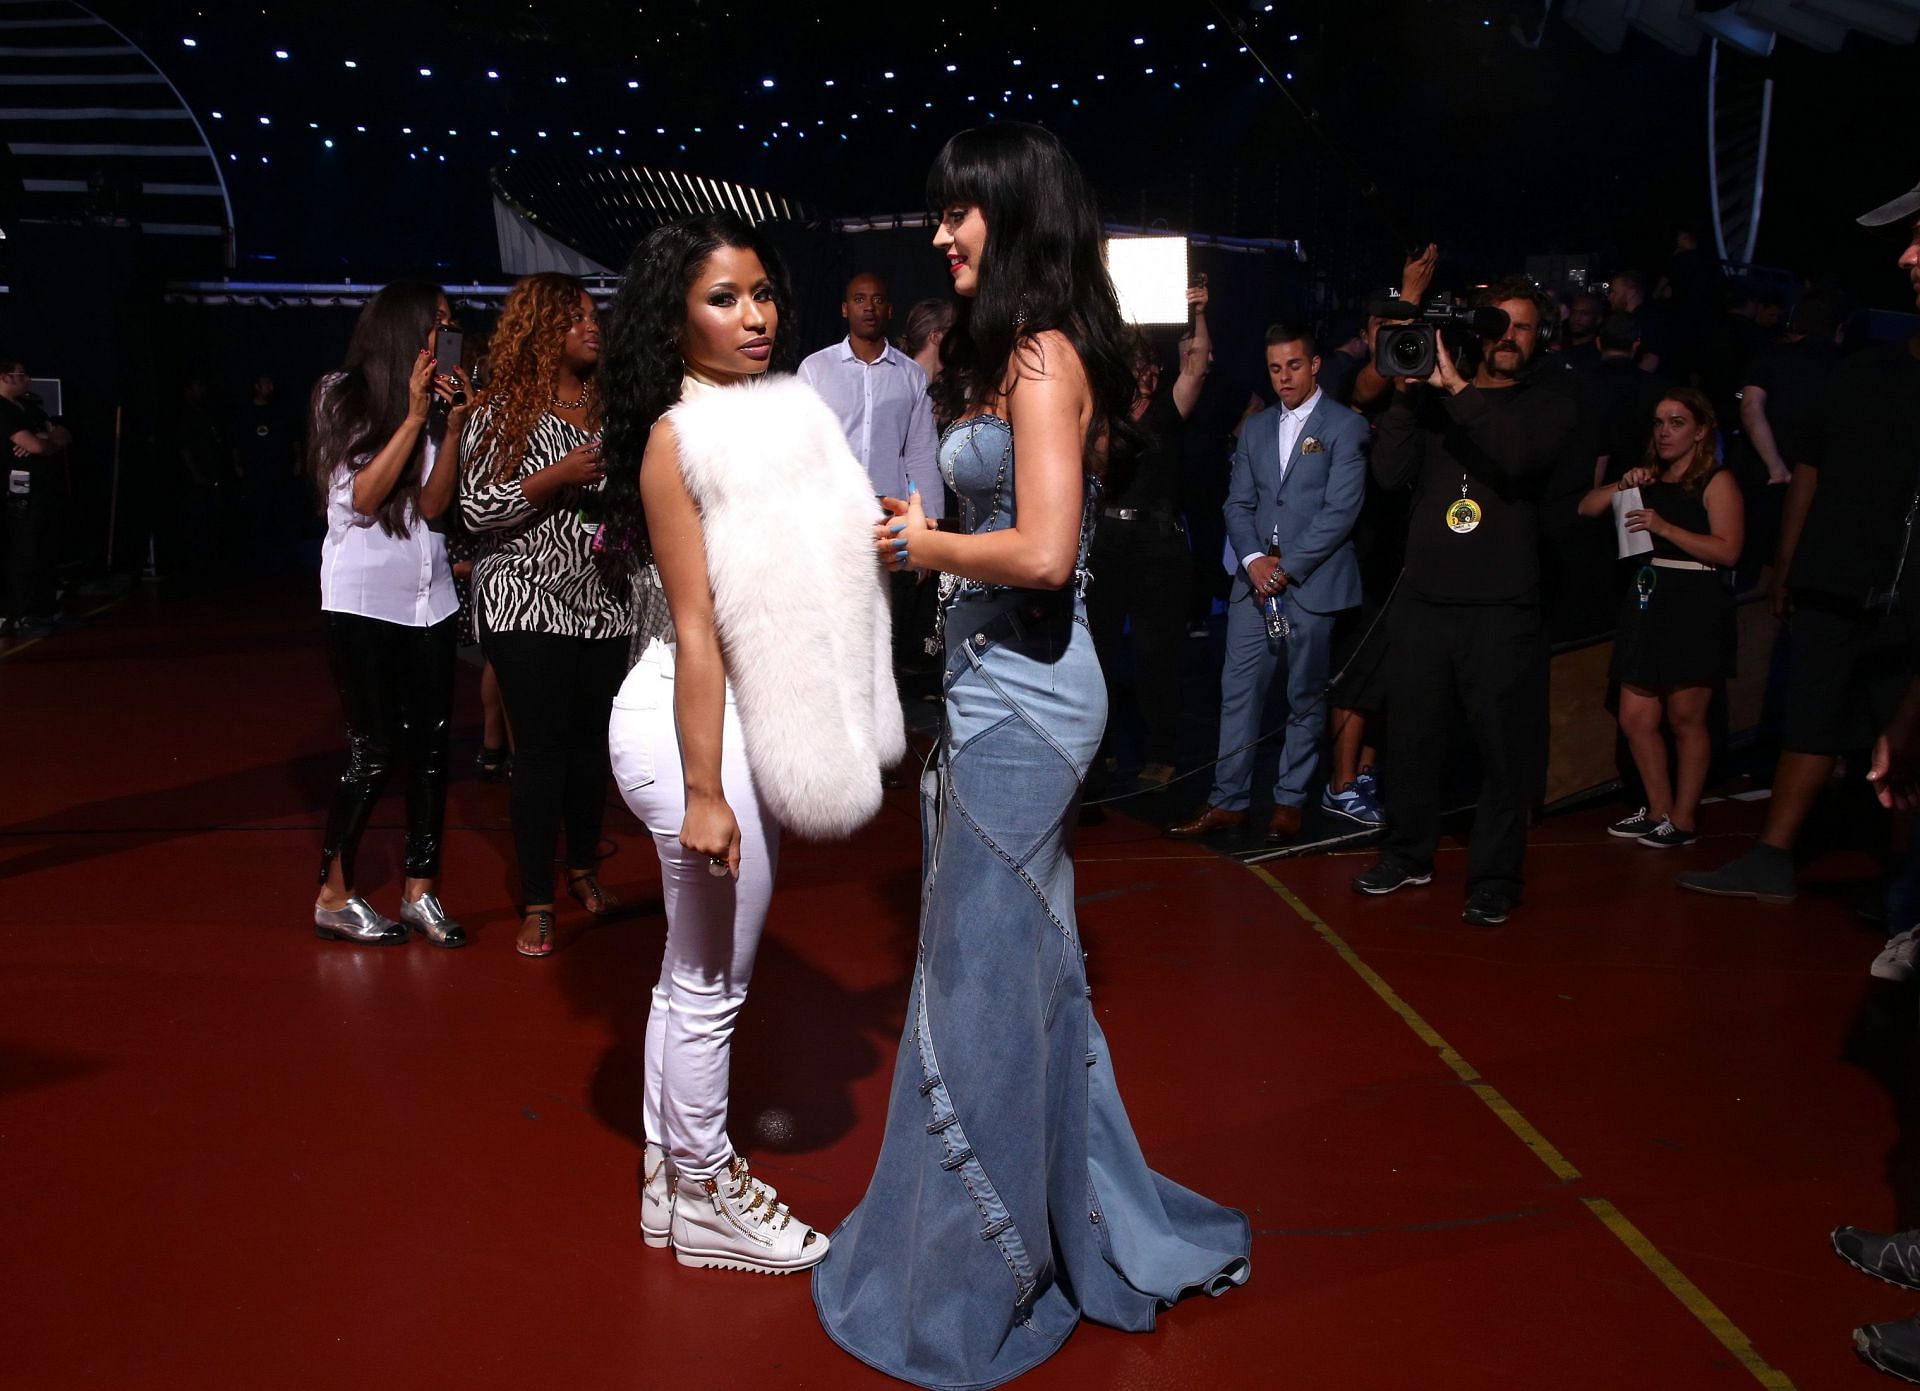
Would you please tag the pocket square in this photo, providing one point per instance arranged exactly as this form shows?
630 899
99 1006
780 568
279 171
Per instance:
1310 445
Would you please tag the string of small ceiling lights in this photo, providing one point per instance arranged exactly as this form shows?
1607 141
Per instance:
897 93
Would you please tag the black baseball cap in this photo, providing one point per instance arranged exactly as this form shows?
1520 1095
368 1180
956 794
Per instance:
1905 206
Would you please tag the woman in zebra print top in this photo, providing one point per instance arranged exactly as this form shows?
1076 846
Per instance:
554 618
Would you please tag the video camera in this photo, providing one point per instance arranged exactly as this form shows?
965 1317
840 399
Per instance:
1406 349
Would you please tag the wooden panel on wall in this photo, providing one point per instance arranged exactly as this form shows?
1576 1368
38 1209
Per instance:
1581 728
1747 691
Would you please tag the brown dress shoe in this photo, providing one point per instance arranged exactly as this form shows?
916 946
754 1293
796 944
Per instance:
1284 826
1211 818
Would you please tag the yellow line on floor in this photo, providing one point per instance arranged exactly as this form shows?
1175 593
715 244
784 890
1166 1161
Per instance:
1556 1162
18 648
1689 1294
1677 1284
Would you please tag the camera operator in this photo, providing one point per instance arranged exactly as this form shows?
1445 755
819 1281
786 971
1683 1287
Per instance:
1370 388
1465 630
35 448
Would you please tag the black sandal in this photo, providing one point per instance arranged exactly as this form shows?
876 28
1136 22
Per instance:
583 887
543 918
496 765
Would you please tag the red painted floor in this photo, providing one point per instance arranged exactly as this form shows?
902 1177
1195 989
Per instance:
239 1157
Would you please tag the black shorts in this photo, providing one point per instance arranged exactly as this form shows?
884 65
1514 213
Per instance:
1360 660
1846 670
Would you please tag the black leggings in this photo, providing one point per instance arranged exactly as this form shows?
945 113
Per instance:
1141 567
559 695
396 688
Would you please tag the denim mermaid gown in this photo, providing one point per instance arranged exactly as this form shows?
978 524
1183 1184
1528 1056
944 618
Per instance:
1011 1197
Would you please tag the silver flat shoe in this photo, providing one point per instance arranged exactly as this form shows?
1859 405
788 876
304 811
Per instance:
427 916
357 922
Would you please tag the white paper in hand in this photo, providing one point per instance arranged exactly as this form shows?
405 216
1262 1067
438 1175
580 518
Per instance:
1630 542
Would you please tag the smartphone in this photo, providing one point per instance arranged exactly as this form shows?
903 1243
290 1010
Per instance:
447 355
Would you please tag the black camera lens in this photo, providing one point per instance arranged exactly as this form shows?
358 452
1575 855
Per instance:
1406 350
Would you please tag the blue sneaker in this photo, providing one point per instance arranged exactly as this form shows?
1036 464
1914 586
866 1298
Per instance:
1359 804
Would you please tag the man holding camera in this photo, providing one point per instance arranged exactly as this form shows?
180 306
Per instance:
1464 630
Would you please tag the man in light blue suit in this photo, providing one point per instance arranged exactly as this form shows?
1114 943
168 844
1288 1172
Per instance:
1299 473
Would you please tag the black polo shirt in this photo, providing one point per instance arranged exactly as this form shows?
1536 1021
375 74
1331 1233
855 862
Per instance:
1153 482
1504 443
16 416
1868 454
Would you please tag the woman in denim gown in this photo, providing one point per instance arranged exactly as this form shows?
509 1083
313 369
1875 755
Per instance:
1010 1196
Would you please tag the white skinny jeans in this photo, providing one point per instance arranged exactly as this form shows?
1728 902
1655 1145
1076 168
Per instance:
713 923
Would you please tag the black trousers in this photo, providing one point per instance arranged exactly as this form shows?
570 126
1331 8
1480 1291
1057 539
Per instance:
396 689
1141 568
1482 662
914 600
32 529
559 693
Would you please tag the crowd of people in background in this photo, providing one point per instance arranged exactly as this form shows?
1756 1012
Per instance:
1400 557
1399 552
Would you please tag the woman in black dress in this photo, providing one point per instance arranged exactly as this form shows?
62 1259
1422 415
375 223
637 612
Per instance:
1676 635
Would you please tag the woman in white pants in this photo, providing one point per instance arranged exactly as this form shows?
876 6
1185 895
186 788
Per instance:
761 694
713 932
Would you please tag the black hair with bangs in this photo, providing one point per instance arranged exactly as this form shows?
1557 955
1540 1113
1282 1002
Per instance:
1043 267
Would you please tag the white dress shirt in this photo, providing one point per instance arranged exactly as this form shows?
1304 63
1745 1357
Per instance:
884 409
398 579
1292 422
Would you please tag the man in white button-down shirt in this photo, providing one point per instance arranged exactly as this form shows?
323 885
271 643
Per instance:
880 395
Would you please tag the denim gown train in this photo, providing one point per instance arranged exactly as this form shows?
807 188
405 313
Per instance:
1010 1197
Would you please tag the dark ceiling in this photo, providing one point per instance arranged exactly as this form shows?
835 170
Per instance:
1427 118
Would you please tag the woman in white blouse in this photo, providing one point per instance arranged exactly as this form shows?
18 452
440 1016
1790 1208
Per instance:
386 462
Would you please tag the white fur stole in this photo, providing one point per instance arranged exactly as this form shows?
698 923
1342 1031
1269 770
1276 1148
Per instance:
799 600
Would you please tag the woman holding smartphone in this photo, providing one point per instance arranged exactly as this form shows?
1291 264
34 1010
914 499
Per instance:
553 616
386 463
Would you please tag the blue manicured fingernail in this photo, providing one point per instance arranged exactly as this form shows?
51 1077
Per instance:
912 486
897 527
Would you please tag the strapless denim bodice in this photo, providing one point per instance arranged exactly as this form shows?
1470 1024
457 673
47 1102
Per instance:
976 459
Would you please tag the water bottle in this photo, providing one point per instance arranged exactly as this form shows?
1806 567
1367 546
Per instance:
1275 605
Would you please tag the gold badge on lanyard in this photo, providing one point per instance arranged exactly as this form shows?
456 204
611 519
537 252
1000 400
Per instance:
1463 515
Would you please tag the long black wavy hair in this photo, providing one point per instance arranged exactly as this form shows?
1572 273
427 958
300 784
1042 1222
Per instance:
1042 268
641 373
355 411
